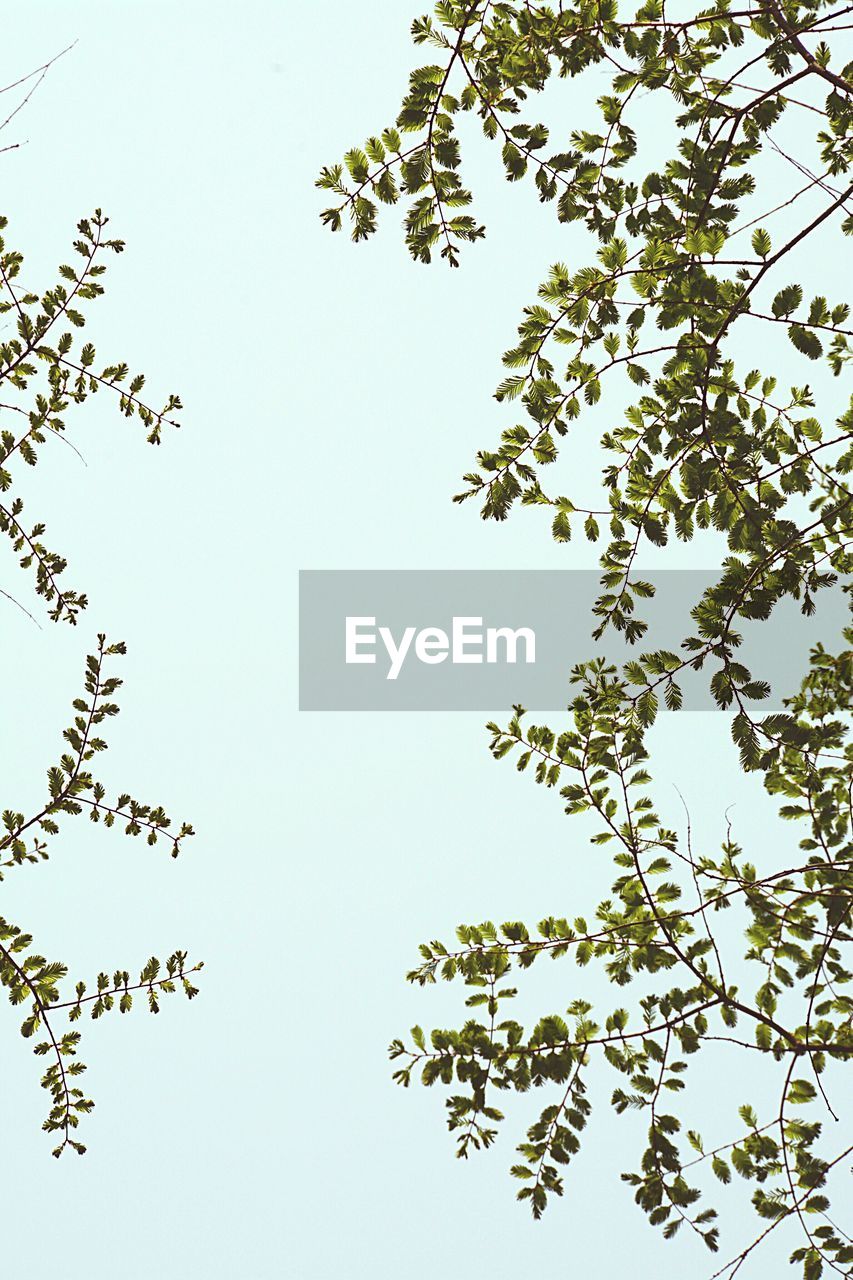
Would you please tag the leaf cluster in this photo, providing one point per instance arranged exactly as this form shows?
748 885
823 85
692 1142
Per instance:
687 276
45 368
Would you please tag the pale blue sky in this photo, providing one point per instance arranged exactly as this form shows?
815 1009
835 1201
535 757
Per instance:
333 397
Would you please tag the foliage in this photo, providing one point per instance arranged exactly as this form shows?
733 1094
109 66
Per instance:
685 280
42 381
44 370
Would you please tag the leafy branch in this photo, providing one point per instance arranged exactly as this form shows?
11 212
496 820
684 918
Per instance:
39 381
44 369
670 304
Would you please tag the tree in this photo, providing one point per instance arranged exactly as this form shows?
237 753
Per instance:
685 282
44 370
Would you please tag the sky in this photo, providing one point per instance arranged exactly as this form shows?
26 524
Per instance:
334 395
